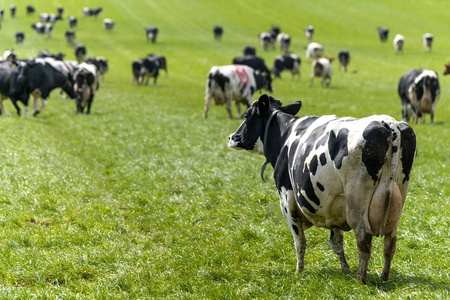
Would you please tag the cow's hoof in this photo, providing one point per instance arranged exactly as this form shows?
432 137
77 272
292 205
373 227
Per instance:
36 113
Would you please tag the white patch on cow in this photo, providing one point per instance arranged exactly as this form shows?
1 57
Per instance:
314 50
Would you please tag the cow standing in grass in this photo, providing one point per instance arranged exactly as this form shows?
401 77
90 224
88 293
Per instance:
399 41
85 86
383 33
344 59
309 32
338 173
322 68
427 40
314 51
289 62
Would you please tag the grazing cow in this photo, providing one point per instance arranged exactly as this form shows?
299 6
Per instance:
100 62
30 10
42 75
419 91
43 28
80 52
284 41
150 68
12 9
266 40
108 24
151 33
383 33
447 69
309 32
161 61
314 51
218 32
427 40
249 51
344 59
233 82
338 173
9 55
87 12
20 36
289 62
85 85
70 37
10 86
322 68
73 21
399 40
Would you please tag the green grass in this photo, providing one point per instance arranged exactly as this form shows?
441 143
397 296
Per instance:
143 199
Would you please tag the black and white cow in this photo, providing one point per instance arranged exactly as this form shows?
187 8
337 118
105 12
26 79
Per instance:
383 33
43 28
108 24
284 40
309 32
344 59
73 21
427 40
86 85
20 36
218 32
101 63
151 33
289 62
69 35
9 55
419 91
338 173
399 40
10 87
161 59
143 69
266 40
234 82
12 9
136 67
48 18
322 68
80 52
87 12
60 11
314 51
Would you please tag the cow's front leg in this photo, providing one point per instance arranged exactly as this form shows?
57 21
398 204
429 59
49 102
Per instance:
228 100
294 217
364 244
337 244
390 244
44 104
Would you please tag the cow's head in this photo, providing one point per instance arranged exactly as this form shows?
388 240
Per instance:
263 80
250 134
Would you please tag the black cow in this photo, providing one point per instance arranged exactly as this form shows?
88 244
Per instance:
136 67
161 60
289 62
257 63
344 59
100 63
10 86
80 52
338 173
151 33
41 76
383 33
87 12
73 21
249 51
20 36
12 9
150 68
419 91
69 35
218 32
30 10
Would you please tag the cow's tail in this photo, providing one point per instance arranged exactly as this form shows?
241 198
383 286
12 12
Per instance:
385 188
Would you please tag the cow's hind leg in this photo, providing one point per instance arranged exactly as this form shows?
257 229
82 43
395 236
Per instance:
364 244
390 244
337 244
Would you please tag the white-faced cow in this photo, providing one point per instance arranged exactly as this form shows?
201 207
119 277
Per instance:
70 37
151 33
322 68
284 40
218 32
314 51
73 21
344 59
234 82
289 62
419 91
42 28
309 32
338 173
108 24
92 12
266 40
10 86
427 40
12 9
383 33
80 52
399 40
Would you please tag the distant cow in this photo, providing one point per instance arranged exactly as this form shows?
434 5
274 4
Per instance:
48 18
322 68
43 28
151 33
2 12
60 11
266 40
12 9
30 10
161 59
447 69
85 86
20 36
70 37
233 82
337 173
399 40
344 59
284 40
92 12
80 52
9 55
73 21
383 33
314 51
101 63
427 41
108 24
419 91
289 62
45 53
309 32
249 51
218 32
275 31
136 67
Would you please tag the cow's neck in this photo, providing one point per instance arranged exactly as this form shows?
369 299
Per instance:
274 136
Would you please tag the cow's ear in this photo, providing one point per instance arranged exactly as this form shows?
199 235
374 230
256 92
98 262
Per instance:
293 108
263 104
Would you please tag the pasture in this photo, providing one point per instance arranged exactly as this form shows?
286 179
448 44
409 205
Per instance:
143 199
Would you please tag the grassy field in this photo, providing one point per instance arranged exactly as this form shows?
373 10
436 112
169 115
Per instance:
143 199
